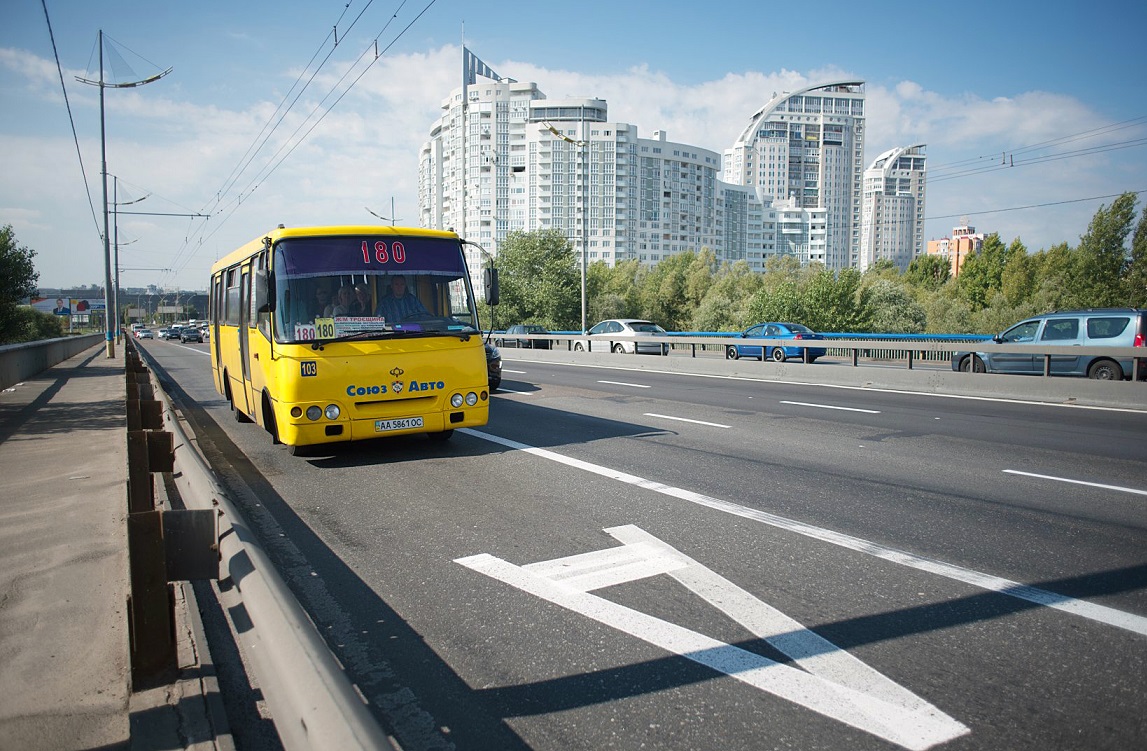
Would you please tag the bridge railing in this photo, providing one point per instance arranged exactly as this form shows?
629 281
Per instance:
906 348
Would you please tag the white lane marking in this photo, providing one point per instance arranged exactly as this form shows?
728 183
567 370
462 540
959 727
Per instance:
831 406
826 679
622 383
515 372
1120 488
1082 608
686 419
504 390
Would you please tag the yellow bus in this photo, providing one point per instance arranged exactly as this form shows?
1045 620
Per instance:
328 334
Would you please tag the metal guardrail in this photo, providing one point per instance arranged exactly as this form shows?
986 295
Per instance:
313 703
910 351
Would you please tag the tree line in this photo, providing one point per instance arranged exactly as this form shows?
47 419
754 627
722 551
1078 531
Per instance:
998 285
18 277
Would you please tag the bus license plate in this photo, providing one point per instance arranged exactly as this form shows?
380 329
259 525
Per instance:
382 426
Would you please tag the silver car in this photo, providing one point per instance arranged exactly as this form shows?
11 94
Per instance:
1095 327
604 337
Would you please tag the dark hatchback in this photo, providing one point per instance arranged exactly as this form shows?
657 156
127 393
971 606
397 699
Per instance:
493 366
190 334
511 337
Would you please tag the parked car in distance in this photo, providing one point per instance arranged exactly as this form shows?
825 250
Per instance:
777 354
190 334
1093 327
144 334
493 366
602 337
509 339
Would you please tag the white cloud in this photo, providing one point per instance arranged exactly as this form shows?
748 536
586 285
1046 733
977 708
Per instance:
163 141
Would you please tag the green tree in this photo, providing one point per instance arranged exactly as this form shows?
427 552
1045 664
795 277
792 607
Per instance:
725 306
947 311
662 292
30 325
1135 278
613 291
18 277
779 302
884 268
540 280
831 301
983 270
1020 278
1102 254
928 272
1053 279
894 309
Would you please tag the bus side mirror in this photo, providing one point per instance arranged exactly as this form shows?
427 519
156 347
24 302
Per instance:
490 285
264 295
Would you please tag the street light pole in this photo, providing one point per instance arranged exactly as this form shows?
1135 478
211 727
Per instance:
390 218
115 229
108 299
583 156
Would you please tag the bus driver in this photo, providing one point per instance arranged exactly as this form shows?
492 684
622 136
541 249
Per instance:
399 304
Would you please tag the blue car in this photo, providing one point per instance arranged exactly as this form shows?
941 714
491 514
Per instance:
777 354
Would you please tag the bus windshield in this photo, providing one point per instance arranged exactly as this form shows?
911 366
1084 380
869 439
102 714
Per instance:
355 286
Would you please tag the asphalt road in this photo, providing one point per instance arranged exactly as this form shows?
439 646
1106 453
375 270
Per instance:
627 559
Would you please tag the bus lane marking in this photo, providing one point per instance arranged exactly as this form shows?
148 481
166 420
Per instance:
1091 611
622 383
827 679
832 406
1100 485
686 419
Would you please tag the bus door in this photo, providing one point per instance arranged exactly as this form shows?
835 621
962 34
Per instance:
216 315
244 346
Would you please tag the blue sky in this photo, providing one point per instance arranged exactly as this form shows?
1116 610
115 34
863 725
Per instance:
972 81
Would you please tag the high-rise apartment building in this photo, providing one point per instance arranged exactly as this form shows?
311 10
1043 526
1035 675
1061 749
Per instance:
892 217
511 159
806 150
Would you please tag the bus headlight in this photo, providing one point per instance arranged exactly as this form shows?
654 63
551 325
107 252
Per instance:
471 399
456 401
332 412
313 412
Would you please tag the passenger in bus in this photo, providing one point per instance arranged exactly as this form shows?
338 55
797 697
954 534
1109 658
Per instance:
341 306
321 302
362 306
400 304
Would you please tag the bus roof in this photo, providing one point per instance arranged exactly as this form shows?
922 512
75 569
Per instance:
254 246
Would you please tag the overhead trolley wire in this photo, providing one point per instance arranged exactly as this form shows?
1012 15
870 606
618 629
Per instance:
72 121
279 157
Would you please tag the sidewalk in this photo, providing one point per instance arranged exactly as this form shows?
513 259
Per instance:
65 676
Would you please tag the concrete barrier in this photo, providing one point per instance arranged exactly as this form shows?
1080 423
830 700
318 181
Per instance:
20 361
1055 390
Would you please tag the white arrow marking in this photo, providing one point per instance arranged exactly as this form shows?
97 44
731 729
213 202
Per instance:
831 682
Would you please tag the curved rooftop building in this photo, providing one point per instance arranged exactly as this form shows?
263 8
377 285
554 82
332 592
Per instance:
892 221
806 150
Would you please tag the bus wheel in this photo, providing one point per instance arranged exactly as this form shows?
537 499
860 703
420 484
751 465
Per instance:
239 415
443 436
269 422
301 451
